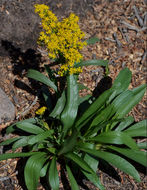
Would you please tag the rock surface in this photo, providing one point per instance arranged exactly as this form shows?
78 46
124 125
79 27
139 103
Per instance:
7 109
19 26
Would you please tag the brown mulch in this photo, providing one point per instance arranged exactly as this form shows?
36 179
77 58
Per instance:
111 22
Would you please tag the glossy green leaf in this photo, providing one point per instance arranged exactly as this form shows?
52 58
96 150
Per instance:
23 141
79 161
69 143
127 100
84 98
103 116
53 175
94 179
136 155
9 141
36 75
142 145
47 97
71 107
124 124
93 108
32 170
44 170
29 127
92 40
73 183
138 129
122 81
12 127
92 162
115 137
97 62
40 137
59 106
15 155
116 161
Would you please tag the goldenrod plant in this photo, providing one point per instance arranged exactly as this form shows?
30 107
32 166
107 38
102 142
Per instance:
66 133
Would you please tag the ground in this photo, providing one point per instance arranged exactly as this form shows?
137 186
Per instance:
122 35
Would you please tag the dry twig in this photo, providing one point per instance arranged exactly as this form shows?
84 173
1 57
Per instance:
140 20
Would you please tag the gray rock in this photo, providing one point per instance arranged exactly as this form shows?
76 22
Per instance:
19 25
7 109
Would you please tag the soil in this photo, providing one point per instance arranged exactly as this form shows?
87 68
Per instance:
122 41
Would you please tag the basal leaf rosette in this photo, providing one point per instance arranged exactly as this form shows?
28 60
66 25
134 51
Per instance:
63 39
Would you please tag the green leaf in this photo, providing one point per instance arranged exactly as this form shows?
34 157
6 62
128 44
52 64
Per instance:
124 124
59 106
36 75
32 170
73 183
23 141
136 155
92 40
71 107
44 170
138 129
93 108
84 98
47 97
115 137
79 161
53 175
116 161
142 145
29 127
92 162
97 62
94 179
12 127
15 155
69 143
124 103
40 137
122 81
103 116
9 141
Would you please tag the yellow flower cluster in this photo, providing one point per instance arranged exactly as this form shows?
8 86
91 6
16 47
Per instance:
62 39
41 111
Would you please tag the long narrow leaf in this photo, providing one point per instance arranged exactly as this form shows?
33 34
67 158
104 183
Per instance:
115 160
136 155
94 107
70 111
32 170
41 78
79 161
73 183
59 106
9 141
15 155
115 137
138 129
124 124
40 137
29 127
12 127
53 175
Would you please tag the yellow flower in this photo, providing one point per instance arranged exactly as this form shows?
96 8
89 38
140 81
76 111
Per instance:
41 111
61 38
